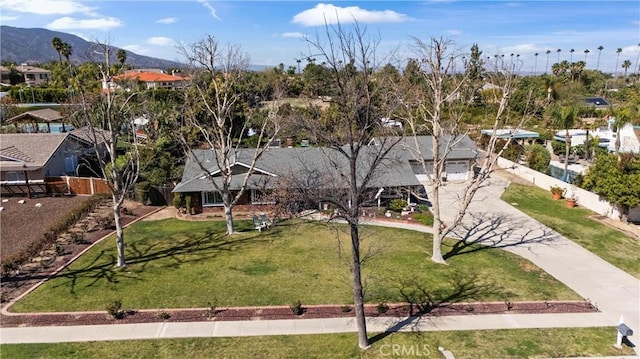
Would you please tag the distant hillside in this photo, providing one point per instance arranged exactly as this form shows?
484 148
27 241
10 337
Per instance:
22 45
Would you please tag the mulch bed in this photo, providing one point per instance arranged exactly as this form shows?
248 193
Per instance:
310 312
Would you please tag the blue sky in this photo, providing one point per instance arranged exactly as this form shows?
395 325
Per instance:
270 31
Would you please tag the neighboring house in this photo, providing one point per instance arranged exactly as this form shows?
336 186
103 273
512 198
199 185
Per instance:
278 168
34 156
151 80
43 120
34 75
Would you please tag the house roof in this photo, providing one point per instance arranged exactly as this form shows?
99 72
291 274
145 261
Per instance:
596 101
32 151
28 151
27 69
44 115
313 164
462 147
149 77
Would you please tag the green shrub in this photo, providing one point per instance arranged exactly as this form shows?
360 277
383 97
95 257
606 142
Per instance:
178 200
425 218
115 309
187 201
397 204
382 308
296 308
142 191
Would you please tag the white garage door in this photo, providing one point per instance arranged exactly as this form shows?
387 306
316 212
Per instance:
457 170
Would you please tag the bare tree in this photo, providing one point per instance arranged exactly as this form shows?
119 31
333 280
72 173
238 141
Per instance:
106 120
433 107
345 171
214 104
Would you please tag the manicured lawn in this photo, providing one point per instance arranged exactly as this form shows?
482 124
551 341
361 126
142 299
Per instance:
574 223
521 343
178 264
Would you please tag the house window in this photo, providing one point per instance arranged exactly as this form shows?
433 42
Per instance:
70 164
15 177
212 199
262 197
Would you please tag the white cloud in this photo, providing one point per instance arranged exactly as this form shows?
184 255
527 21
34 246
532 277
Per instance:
168 20
210 7
331 14
65 23
454 32
160 41
45 7
5 18
292 35
132 47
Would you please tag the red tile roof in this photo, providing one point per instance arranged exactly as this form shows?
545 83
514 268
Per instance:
149 77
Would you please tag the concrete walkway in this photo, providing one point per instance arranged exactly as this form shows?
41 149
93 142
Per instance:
490 221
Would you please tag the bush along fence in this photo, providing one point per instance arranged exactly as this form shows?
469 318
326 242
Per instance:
584 198
53 232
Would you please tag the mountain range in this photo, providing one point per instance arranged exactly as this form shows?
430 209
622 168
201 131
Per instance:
22 45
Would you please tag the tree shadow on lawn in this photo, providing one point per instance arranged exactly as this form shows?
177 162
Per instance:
488 231
194 248
422 300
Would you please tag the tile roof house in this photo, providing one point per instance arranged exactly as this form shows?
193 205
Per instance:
315 166
150 79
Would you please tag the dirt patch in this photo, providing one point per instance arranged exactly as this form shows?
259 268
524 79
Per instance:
24 224
66 248
309 312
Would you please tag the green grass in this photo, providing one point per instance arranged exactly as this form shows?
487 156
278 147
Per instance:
575 223
180 264
520 343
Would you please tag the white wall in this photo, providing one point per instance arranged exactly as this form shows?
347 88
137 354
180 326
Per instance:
585 198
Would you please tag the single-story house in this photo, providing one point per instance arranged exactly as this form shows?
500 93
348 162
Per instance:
316 167
34 75
31 157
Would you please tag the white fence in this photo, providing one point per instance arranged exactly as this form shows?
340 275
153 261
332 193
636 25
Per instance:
585 198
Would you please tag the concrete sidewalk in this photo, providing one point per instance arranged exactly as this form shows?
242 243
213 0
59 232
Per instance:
166 330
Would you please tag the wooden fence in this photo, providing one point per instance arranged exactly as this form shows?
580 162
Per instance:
82 185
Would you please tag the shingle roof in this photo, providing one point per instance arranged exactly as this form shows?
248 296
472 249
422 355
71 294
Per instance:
45 115
280 163
31 149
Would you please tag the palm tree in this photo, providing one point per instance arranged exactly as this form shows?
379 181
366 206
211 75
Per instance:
600 48
586 52
621 116
546 67
66 50
618 51
558 51
625 65
638 62
564 117
535 64
571 56
56 43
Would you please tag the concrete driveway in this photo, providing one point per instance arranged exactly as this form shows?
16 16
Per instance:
496 223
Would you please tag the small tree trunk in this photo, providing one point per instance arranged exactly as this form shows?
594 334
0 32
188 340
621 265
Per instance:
358 295
117 218
437 239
